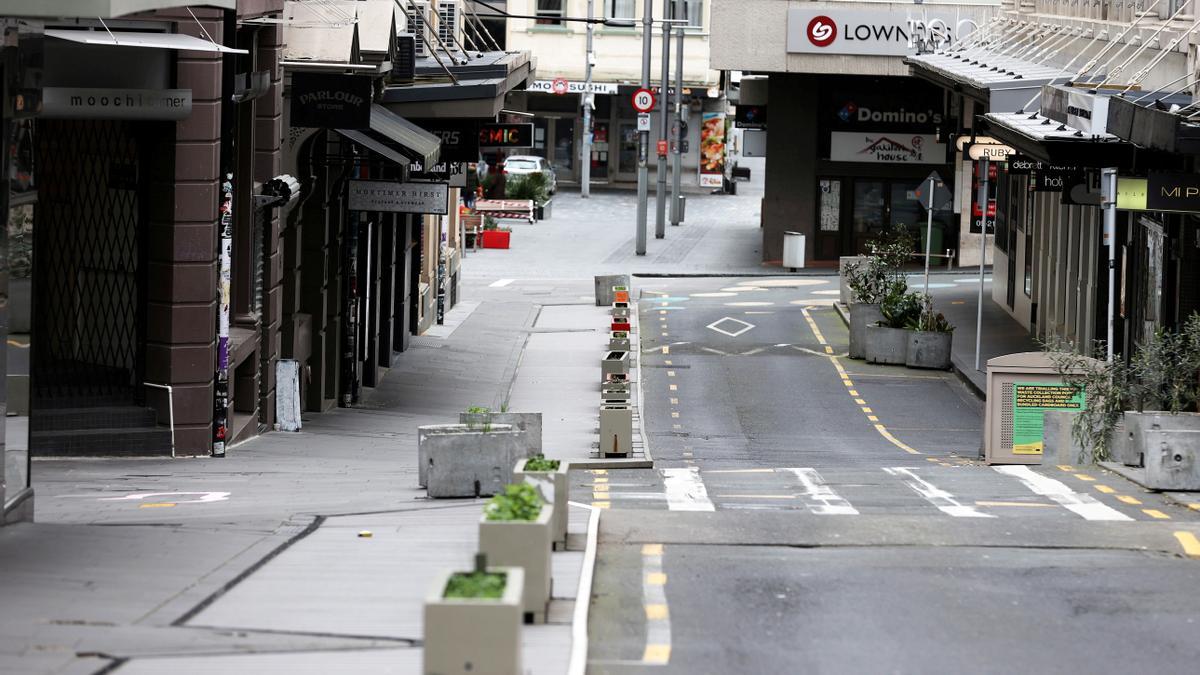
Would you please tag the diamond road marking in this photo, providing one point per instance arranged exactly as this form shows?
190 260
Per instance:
745 326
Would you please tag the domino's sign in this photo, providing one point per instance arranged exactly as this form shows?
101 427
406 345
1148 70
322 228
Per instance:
882 32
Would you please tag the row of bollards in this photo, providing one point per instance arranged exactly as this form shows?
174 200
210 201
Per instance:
616 413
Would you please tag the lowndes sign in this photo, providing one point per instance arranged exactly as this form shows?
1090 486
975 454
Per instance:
873 32
848 146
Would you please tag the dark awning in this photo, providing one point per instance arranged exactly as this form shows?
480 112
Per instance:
1040 137
396 138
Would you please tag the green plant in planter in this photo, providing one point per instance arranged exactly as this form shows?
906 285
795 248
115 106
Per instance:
520 501
539 464
900 308
1165 367
930 321
533 186
476 585
478 410
489 224
872 280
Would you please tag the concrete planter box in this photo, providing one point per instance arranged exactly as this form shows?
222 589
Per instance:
1059 445
435 435
554 489
615 363
617 394
605 286
461 461
530 423
618 344
474 636
928 349
844 263
525 544
620 310
886 346
1169 447
861 316
616 430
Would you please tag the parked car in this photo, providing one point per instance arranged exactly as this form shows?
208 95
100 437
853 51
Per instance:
523 165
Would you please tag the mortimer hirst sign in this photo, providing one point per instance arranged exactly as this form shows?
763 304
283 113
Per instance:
383 195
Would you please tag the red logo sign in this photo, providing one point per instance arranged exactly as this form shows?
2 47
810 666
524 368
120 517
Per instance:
559 86
822 31
662 148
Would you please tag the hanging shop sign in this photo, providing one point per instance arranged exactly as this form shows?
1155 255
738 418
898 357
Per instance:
848 146
875 32
572 87
750 117
1049 182
116 104
1173 192
1031 401
506 135
330 101
1020 165
394 197
1132 194
1087 112
460 138
995 152
712 149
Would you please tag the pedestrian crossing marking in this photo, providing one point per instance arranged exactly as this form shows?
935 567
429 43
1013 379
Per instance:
1034 504
819 497
657 655
685 490
674 387
602 505
656 578
1083 505
944 501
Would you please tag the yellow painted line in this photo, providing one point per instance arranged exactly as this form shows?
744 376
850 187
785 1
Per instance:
741 496
828 349
600 487
1084 476
1033 504
600 472
156 505
670 373
601 496
847 382
674 401
677 426
1155 513
1190 544
932 459
662 311
667 362
596 481
656 612
1105 489
872 418
867 410
1066 467
657 655
652 549
602 505
895 441
674 387
666 349
665 334
1129 500
675 415
1194 507
859 401
741 471
656 579
852 392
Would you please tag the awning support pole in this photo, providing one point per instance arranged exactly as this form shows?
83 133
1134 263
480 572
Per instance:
928 237
983 221
1108 180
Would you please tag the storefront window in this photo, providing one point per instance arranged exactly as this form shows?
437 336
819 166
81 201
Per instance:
564 144
549 12
868 207
693 11
831 205
620 9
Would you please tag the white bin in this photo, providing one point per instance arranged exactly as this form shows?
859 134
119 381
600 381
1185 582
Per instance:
793 250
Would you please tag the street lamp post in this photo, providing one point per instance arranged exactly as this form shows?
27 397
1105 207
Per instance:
660 192
644 136
677 157
586 188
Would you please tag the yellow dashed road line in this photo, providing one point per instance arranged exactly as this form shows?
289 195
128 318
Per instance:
1156 514
1129 500
1191 546
1105 489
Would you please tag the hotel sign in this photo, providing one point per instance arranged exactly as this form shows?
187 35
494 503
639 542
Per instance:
898 148
393 197
116 104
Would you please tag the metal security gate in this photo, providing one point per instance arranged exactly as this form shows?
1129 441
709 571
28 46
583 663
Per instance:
87 265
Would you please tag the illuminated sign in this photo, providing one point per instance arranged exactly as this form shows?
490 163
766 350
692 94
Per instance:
506 136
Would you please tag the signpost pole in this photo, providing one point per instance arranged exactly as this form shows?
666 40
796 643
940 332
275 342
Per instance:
660 192
1109 195
929 236
677 156
585 188
644 136
983 221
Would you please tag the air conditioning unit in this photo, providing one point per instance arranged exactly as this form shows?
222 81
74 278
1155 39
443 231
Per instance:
404 65
424 31
450 23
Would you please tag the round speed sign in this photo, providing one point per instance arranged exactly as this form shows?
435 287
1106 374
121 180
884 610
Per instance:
643 100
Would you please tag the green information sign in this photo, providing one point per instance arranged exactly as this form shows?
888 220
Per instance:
1030 400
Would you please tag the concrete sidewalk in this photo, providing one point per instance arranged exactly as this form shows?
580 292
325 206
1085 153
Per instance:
253 564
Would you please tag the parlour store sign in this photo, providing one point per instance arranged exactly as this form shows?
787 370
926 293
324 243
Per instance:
393 197
876 32
848 146
331 101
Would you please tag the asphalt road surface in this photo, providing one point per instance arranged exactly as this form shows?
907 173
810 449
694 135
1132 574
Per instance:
812 514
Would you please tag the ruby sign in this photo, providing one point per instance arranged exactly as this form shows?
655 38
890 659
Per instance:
643 100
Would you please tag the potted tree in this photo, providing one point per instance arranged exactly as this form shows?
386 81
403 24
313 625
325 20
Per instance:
473 621
494 236
886 342
515 531
930 336
549 476
534 187
872 279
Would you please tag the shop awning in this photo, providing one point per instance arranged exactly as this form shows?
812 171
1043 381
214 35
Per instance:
118 38
1055 142
396 138
1005 83
91 9
1156 123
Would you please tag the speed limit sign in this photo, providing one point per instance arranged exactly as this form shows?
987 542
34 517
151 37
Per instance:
643 100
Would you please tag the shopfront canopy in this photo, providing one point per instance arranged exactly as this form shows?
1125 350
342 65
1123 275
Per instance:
396 139
92 9
1049 140
151 40
1005 83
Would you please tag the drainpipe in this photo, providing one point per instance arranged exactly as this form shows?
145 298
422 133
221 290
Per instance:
225 248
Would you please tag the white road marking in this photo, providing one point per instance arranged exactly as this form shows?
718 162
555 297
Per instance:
746 326
658 615
500 283
205 497
819 497
944 501
685 490
1081 504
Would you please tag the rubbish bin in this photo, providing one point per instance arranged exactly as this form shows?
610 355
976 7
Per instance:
1021 388
793 250
936 238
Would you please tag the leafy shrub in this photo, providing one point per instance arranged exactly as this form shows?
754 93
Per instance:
539 463
899 308
533 186
930 321
880 275
488 585
518 502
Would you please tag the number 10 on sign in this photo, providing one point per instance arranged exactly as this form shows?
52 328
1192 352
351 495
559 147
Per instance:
643 100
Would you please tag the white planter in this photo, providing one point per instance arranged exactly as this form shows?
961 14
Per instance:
616 430
432 435
469 462
554 489
524 544
1169 446
861 316
1058 441
928 349
474 636
604 287
843 285
530 423
615 363
618 394
620 310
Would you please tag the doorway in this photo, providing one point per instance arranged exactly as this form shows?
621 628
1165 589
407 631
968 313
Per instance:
854 211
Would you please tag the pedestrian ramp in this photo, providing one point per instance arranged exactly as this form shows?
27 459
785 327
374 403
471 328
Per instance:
965 491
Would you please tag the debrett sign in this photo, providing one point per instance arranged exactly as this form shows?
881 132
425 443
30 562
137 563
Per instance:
116 104
873 32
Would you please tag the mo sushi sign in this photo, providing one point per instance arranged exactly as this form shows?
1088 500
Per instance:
875 32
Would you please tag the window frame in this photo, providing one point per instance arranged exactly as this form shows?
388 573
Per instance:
550 17
610 9
687 15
